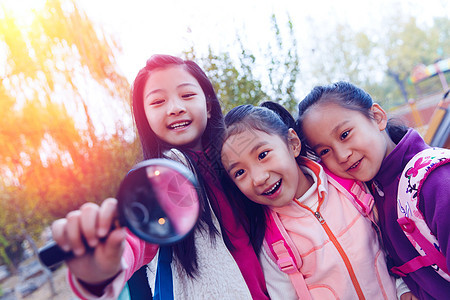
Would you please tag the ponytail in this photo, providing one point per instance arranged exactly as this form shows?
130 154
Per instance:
282 112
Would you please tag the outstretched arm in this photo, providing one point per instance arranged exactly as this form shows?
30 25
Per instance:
103 259
86 232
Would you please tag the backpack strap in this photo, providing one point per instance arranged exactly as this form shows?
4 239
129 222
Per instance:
282 250
410 218
363 200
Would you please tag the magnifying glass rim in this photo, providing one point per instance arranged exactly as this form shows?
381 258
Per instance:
177 166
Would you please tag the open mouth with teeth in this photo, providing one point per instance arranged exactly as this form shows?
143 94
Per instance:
355 165
179 125
273 189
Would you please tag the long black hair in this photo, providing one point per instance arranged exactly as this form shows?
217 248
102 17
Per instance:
153 147
269 117
348 96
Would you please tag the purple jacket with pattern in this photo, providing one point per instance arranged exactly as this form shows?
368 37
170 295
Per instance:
434 204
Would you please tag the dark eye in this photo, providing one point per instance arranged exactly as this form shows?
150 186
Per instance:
238 173
263 154
157 101
323 152
188 95
345 134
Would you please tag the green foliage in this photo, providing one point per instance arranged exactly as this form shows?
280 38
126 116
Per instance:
407 45
240 80
234 85
284 66
343 54
380 61
440 31
4 259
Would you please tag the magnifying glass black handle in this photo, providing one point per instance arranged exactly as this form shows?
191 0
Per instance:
51 254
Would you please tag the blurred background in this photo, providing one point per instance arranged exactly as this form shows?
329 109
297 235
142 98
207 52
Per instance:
66 66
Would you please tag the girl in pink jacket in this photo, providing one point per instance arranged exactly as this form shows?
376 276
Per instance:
341 257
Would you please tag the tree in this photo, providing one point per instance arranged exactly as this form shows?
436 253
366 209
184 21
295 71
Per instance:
441 34
56 150
237 81
234 85
284 66
343 54
381 59
406 46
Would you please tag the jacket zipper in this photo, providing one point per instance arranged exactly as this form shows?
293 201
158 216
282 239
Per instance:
330 234
341 253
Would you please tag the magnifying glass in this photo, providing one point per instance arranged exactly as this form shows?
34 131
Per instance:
158 200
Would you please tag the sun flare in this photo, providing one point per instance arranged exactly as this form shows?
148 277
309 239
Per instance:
23 11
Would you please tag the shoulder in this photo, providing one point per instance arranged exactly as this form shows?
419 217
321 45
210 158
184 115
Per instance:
176 155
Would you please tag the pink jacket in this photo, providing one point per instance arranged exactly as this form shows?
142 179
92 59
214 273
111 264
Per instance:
341 255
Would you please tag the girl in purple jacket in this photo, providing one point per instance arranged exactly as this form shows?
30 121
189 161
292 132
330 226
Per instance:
352 136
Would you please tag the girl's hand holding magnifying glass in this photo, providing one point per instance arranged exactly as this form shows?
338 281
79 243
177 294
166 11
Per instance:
97 250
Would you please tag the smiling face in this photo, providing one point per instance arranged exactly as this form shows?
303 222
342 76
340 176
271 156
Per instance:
349 143
264 168
175 107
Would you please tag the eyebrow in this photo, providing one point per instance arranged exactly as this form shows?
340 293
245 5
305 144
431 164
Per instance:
160 90
335 129
152 92
254 148
338 126
231 167
258 145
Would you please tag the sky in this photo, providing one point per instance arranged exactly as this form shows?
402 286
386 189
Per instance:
146 27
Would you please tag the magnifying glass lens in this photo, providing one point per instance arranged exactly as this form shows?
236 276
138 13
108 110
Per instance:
158 201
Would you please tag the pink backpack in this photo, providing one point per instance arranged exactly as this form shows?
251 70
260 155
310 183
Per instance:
411 219
283 251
